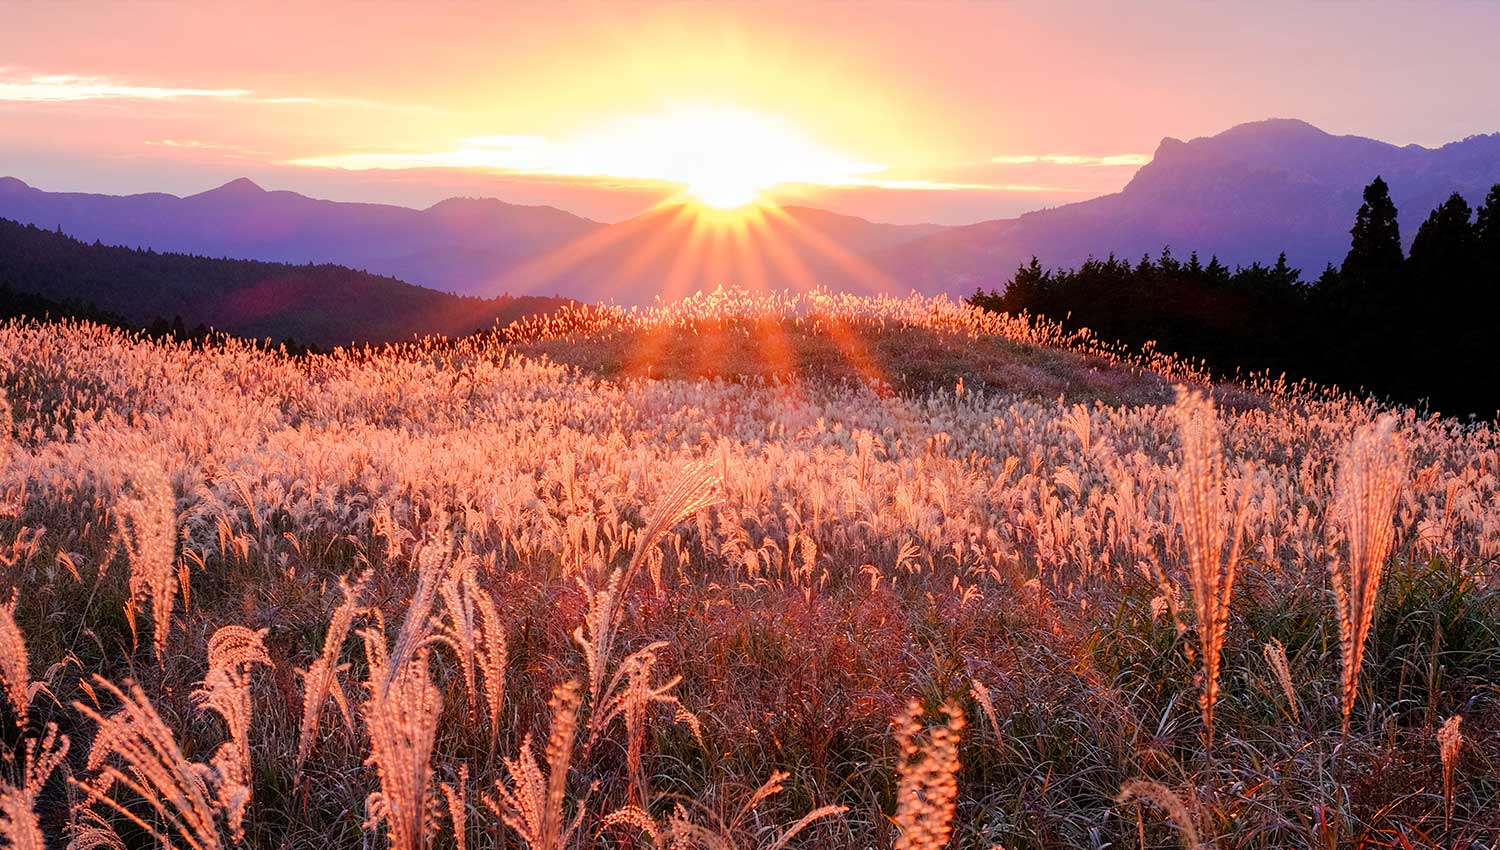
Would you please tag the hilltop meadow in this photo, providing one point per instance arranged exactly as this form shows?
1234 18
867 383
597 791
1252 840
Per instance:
740 571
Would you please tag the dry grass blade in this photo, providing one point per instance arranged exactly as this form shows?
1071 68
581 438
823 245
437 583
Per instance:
15 669
232 651
18 826
928 786
1208 524
18 823
981 696
596 634
1165 799
87 830
636 817
1370 476
456 798
401 718
472 628
494 652
148 522
1275 655
321 679
417 625
804 822
630 695
533 804
697 487
135 754
1450 739
457 627
681 832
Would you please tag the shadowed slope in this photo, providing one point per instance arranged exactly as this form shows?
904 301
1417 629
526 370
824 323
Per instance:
324 304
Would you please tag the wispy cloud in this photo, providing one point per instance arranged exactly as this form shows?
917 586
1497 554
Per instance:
918 184
518 153
54 88
537 156
199 145
20 87
1113 160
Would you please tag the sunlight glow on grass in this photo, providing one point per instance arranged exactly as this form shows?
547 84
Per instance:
732 506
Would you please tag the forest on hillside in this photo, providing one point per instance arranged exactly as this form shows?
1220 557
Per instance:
1417 327
321 304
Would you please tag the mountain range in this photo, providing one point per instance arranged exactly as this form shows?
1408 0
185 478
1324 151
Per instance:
1245 195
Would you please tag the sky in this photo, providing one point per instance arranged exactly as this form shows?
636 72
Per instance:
926 110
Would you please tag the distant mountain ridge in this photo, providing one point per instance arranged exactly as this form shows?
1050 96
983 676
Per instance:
1245 195
472 246
440 247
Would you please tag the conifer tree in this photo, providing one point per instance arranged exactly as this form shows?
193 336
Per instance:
1375 249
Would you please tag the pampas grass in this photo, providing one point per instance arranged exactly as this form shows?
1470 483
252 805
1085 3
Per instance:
533 802
18 823
136 760
225 691
148 520
730 833
1167 800
1213 531
928 784
15 668
320 680
1371 472
1450 738
816 553
1281 671
401 720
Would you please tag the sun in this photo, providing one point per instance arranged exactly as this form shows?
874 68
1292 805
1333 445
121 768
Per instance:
722 156
726 192
725 157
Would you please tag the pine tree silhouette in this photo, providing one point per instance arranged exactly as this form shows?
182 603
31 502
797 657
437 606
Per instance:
1375 250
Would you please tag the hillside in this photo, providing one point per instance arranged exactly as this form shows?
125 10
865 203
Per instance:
475 246
456 245
320 304
895 346
674 250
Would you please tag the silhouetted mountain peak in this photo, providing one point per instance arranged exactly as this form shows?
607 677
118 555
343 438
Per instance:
12 184
1273 128
464 206
1168 147
1269 140
1246 195
240 187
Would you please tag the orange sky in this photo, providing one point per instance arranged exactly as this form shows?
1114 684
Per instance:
970 110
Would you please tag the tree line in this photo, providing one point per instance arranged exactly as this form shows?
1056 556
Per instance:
1417 328
29 305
